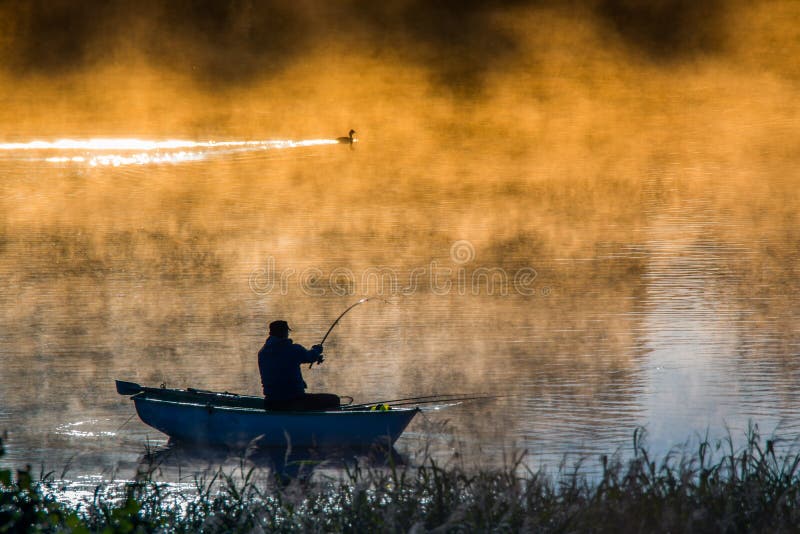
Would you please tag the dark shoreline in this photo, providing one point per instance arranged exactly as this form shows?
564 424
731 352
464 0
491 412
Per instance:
715 488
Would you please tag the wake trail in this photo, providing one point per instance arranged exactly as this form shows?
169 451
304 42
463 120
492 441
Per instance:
121 152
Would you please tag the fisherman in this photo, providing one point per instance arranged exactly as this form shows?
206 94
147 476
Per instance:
279 362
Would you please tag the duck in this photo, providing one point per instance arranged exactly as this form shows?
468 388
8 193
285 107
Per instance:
346 140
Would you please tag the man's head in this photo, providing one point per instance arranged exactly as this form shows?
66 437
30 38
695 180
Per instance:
279 329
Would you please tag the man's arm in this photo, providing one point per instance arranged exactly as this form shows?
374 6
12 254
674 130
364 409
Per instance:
303 355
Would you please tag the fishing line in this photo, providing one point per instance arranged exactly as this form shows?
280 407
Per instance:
362 301
128 420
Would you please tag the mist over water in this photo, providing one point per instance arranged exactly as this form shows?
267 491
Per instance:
637 165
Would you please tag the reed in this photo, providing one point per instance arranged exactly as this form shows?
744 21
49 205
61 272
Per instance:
716 487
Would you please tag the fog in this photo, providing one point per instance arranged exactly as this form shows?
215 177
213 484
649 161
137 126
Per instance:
298 68
614 146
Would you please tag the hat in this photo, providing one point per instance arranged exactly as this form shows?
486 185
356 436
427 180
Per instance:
279 328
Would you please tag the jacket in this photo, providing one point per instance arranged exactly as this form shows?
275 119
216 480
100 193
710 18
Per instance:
279 362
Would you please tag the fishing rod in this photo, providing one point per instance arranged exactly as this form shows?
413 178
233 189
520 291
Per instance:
444 401
362 301
426 399
449 402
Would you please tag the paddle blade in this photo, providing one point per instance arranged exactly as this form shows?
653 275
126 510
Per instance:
128 388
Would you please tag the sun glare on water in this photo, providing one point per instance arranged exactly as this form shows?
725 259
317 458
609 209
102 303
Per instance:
117 152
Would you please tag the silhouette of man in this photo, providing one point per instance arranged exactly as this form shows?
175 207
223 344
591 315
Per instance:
279 362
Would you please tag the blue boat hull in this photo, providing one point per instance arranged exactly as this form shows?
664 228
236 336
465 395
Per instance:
239 426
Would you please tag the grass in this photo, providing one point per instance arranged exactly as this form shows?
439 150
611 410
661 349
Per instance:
715 488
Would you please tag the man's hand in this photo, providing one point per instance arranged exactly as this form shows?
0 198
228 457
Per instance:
318 350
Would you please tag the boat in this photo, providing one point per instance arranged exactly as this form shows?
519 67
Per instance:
222 418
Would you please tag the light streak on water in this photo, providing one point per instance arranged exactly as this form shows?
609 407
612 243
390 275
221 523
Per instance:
83 429
116 152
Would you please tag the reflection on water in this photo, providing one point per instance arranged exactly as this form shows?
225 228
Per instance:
120 152
285 464
184 472
662 298
78 430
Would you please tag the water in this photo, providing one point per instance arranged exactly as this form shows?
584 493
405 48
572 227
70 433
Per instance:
658 295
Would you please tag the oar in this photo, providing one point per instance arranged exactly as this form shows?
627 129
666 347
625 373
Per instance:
362 301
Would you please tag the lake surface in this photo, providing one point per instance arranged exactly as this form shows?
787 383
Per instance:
596 294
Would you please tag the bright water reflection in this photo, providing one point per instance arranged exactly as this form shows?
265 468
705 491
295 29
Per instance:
121 152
